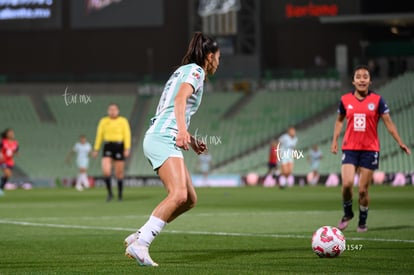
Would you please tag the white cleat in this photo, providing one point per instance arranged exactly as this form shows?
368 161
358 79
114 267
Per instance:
131 238
140 254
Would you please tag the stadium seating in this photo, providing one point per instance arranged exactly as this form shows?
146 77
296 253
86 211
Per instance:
399 95
265 116
139 165
44 145
238 141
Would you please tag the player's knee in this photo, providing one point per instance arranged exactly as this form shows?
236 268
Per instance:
192 202
180 197
347 184
106 174
347 190
119 175
286 173
7 173
363 193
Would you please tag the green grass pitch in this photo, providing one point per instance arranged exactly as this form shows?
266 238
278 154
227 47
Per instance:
249 230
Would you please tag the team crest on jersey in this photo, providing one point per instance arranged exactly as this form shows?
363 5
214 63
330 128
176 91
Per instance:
196 75
371 106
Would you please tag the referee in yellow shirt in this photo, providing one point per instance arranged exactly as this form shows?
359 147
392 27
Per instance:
115 134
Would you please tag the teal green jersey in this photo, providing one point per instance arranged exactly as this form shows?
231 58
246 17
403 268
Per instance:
164 120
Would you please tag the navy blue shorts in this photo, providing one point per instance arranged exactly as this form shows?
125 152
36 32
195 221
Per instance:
366 159
5 165
271 165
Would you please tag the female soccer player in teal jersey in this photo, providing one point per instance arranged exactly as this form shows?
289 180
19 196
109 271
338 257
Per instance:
167 135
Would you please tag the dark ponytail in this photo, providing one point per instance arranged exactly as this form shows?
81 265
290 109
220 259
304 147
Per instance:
200 46
4 133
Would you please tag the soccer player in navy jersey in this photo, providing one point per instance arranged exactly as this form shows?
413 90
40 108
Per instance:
362 109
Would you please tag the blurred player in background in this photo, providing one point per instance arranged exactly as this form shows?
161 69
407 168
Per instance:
204 164
272 172
82 149
8 149
168 135
362 109
314 159
287 143
272 161
114 131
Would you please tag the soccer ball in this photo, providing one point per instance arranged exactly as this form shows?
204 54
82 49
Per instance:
328 242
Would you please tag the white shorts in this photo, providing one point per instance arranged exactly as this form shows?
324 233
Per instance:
286 160
315 165
204 168
82 163
158 148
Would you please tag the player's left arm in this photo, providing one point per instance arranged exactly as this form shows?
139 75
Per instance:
389 124
392 129
198 145
16 152
90 151
1 151
127 139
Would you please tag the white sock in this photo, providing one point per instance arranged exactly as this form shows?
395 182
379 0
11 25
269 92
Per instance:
150 230
363 208
291 180
79 181
282 180
84 180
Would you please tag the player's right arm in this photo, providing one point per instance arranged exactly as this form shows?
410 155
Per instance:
70 155
337 131
98 139
338 127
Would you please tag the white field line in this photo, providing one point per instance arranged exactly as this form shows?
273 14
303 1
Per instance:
234 234
222 214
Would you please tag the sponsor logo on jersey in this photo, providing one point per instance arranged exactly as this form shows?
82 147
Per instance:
359 122
350 107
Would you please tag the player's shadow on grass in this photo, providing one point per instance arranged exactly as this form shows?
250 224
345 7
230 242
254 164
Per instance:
396 227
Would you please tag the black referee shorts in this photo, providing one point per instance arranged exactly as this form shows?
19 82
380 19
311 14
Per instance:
114 150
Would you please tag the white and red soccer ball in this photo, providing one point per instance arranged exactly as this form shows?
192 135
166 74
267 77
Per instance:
328 242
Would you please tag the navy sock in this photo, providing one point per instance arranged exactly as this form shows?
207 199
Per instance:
363 215
3 182
348 209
